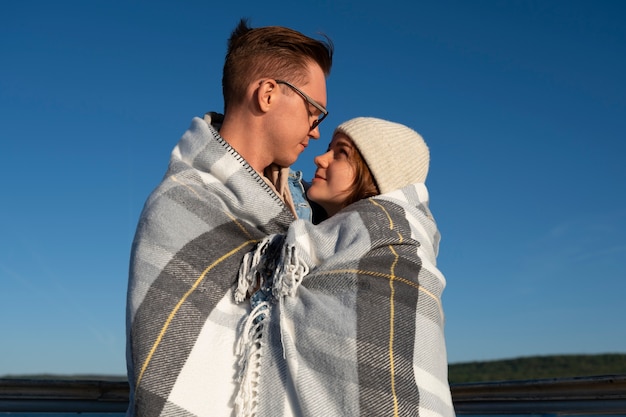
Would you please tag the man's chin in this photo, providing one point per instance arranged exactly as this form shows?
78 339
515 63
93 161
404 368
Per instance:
287 163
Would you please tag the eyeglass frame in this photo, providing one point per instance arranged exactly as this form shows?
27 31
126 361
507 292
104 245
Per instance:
309 100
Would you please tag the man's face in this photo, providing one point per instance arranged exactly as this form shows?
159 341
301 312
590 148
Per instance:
291 124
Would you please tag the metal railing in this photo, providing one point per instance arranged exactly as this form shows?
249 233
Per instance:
63 396
603 395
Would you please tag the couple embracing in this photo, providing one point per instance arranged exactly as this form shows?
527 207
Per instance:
242 302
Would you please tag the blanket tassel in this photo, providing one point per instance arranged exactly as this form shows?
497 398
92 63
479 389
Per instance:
249 350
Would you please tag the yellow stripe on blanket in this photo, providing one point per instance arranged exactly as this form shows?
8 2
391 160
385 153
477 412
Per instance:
392 310
184 298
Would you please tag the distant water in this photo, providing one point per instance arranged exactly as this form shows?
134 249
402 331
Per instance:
62 414
122 415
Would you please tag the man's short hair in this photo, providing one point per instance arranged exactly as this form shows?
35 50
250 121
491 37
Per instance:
274 52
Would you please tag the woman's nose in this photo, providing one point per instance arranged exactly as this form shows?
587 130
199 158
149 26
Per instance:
321 160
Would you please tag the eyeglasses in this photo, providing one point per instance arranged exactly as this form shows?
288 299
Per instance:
323 111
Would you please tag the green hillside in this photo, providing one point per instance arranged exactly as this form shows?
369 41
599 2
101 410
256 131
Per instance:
538 367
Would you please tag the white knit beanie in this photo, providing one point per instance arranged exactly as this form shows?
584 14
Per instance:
395 154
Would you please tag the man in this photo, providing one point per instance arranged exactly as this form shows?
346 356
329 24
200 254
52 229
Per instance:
226 188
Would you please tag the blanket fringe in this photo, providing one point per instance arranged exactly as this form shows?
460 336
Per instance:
272 265
292 269
249 273
272 270
249 350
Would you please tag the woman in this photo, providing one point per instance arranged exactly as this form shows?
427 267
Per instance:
355 301
397 154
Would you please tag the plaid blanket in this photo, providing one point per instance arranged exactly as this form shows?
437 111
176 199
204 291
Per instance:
182 323
349 321
351 324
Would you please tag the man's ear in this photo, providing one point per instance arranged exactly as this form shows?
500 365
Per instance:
267 93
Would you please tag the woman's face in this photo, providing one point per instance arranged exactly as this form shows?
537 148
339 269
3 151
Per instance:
335 175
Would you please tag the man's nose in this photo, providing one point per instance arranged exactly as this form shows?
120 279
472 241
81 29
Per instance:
315 133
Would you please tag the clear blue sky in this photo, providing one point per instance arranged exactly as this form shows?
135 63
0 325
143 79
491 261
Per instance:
523 104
